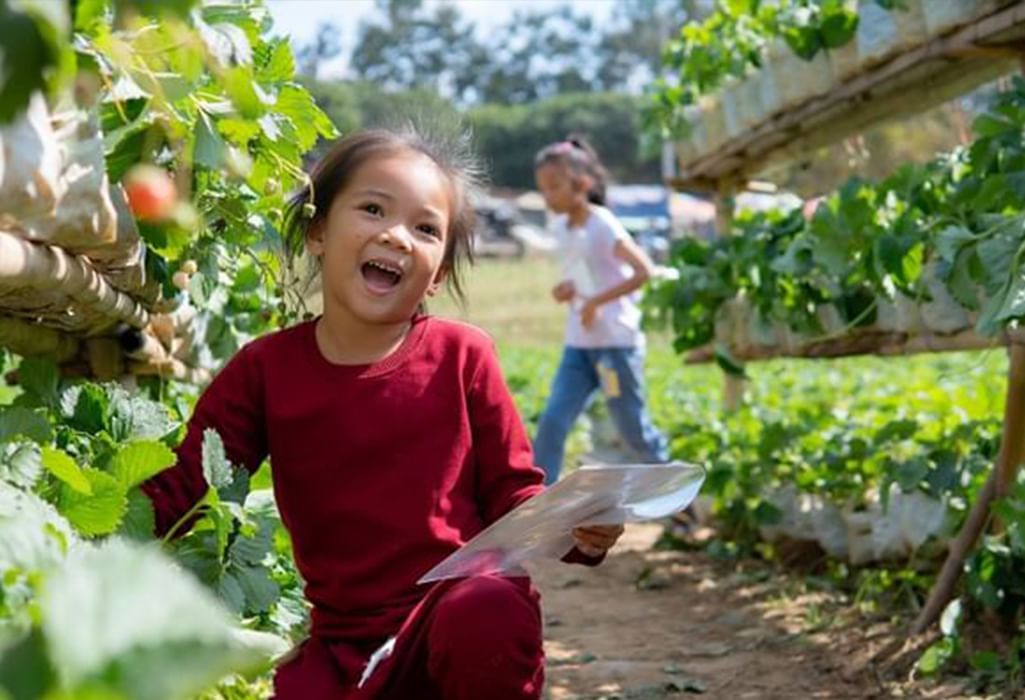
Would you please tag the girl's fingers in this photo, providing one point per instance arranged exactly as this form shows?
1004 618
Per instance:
601 530
598 536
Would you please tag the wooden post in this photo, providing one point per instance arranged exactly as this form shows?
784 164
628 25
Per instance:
1012 448
733 386
1012 451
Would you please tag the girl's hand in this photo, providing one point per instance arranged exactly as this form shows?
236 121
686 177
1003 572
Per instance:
564 291
595 540
588 313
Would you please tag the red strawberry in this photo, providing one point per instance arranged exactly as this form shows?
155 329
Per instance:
151 192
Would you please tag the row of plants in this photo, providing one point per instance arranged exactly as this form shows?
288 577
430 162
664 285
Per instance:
846 430
942 242
735 39
206 127
935 247
91 603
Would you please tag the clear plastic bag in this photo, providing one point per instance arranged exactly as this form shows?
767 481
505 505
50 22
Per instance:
541 528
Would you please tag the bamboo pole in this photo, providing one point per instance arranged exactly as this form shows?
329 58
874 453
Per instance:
50 270
862 342
733 386
1012 450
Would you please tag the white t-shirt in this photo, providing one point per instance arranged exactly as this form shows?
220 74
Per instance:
588 259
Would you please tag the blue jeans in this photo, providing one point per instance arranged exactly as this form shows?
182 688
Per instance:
619 373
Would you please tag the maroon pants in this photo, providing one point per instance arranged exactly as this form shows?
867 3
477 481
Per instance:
467 640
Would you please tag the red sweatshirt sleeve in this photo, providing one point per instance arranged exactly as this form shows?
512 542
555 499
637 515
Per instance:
233 406
506 475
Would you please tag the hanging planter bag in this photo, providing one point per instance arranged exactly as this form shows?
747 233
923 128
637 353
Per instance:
942 313
801 80
749 102
844 61
694 144
732 325
731 108
770 94
30 166
942 16
714 120
886 315
882 33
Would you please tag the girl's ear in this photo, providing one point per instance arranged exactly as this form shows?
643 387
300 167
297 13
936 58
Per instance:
583 183
315 238
439 279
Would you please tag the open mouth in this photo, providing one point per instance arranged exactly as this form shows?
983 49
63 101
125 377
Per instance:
381 276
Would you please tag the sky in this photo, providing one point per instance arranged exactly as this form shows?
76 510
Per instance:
299 19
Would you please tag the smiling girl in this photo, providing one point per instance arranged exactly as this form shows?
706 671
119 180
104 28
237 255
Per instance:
393 440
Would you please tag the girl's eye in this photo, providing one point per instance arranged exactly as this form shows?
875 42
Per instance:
432 231
372 209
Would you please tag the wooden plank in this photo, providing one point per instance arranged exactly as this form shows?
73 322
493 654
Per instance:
921 78
866 343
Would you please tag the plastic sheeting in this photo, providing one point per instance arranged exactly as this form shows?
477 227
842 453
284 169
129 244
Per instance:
542 527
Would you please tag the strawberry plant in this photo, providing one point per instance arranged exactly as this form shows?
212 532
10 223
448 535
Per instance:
205 127
953 226
733 40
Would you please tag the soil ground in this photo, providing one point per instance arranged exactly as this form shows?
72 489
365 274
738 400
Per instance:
651 624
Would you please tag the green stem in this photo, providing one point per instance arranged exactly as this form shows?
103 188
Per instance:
169 535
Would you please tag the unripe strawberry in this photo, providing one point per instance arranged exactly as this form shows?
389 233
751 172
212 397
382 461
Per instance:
151 192
238 163
189 267
180 280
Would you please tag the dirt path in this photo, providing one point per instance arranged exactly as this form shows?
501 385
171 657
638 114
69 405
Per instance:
649 624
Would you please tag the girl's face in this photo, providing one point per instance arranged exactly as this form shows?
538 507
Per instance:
382 244
561 191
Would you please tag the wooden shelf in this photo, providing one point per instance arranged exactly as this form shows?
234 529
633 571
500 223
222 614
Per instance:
926 76
869 343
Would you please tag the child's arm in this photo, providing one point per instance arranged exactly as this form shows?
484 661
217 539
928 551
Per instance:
506 474
233 406
629 252
504 459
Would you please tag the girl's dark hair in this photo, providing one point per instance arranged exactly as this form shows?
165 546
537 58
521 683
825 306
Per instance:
450 151
581 158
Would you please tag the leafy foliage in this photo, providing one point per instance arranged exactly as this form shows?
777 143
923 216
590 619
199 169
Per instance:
957 220
91 605
69 506
734 38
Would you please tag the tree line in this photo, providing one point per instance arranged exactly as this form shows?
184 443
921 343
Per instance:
526 83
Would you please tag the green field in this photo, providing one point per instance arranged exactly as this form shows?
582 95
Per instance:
511 300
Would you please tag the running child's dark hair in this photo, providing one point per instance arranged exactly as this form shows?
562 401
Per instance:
582 160
449 151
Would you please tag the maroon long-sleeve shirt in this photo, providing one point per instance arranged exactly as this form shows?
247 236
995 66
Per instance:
380 471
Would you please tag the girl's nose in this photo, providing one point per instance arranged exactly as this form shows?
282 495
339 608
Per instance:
397 237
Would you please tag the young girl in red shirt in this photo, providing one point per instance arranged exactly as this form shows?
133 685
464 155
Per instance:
393 440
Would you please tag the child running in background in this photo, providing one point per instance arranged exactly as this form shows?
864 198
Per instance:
603 271
393 440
